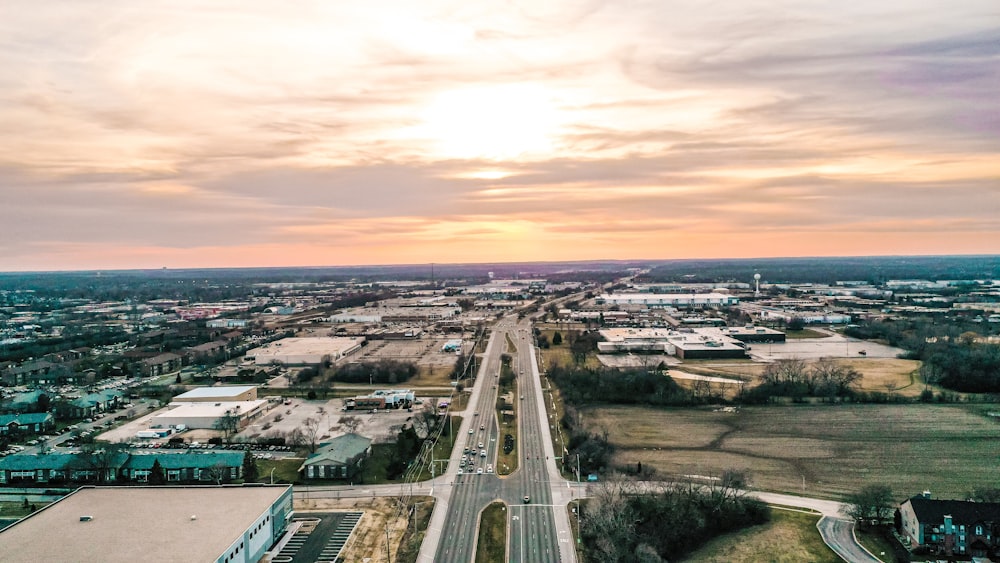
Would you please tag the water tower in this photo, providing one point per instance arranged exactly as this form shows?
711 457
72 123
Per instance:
756 285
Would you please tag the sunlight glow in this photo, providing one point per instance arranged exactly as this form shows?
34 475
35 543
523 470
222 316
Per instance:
496 122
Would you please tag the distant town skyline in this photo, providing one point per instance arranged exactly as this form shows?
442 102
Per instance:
239 134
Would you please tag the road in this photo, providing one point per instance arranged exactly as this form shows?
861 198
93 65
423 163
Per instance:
539 530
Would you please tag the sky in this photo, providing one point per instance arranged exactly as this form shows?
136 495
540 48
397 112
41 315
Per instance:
174 133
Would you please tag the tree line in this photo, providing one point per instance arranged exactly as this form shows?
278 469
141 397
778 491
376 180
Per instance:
628 521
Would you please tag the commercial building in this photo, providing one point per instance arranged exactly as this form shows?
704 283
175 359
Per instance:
676 300
229 524
340 458
304 351
218 393
208 415
686 343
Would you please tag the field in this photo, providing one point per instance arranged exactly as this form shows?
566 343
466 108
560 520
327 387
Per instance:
492 545
789 537
878 374
383 521
831 450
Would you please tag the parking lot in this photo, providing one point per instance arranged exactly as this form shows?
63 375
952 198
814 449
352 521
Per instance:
381 426
425 352
835 346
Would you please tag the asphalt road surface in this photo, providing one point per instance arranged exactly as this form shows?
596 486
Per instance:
532 525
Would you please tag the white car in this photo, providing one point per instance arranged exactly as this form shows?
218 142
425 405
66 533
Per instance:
470 431
479 471
489 469
480 445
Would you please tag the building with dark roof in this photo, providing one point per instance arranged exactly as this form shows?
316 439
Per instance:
35 423
952 527
121 466
339 458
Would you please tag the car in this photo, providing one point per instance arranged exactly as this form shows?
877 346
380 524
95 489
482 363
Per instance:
482 427
489 469
482 453
479 471
470 431
480 445
475 413
527 499
522 397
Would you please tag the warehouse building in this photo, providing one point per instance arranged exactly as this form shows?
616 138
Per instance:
304 351
676 300
208 415
689 344
229 524
219 393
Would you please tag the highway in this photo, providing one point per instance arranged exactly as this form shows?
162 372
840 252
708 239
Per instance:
538 531
532 526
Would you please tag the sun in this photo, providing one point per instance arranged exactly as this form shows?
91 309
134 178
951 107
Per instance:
491 122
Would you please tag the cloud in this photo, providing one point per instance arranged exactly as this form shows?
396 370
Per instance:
249 133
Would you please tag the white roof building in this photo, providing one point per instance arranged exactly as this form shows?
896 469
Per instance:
304 351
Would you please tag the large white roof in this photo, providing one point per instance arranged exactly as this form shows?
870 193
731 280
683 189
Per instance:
138 524
211 392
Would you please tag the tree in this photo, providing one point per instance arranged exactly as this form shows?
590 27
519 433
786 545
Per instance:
557 339
44 402
872 504
156 475
249 467
310 432
228 424
350 423
218 473
796 324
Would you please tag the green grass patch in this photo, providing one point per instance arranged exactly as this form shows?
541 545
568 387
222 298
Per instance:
507 463
492 544
804 333
790 537
442 450
13 509
875 542
286 470
419 509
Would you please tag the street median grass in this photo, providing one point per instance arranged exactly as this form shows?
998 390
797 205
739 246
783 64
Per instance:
507 462
492 544
790 537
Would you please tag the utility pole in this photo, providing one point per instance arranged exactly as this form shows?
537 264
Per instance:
388 557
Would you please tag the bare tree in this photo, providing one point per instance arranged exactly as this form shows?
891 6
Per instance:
218 473
350 423
310 433
228 424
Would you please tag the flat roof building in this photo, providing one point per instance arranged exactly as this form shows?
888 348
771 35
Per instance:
207 414
219 393
127 524
670 299
304 351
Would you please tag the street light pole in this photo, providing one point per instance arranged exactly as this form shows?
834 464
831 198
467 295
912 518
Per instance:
272 474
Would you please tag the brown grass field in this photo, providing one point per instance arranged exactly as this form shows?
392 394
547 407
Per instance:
836 449
790 537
